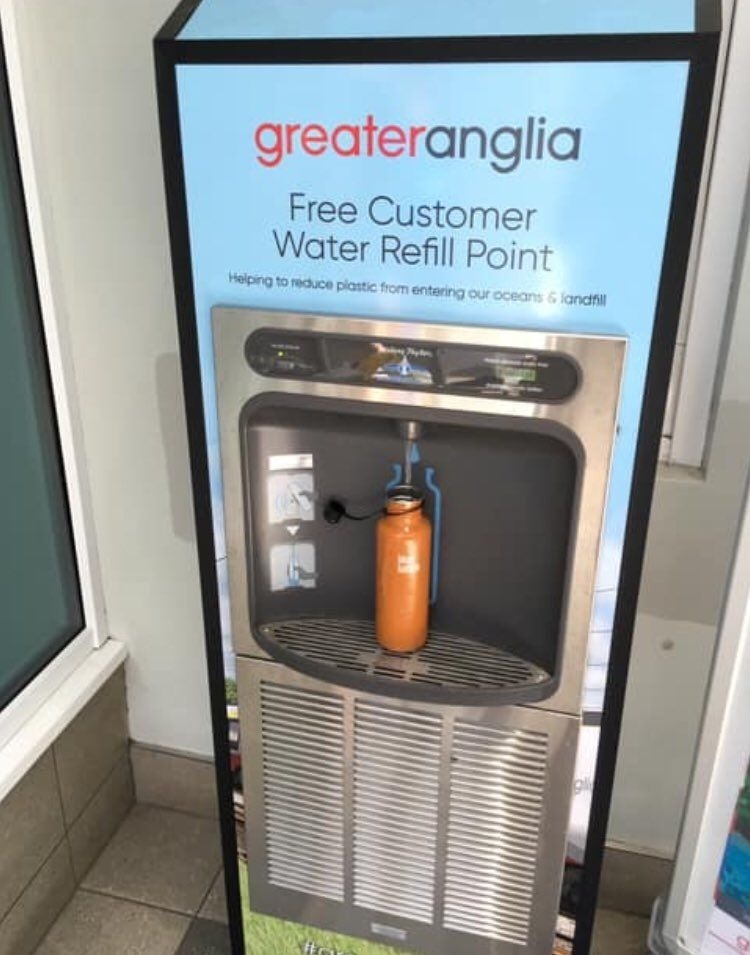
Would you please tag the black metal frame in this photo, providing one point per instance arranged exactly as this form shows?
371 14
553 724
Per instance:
700 50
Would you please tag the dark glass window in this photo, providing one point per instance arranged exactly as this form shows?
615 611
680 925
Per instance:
40 602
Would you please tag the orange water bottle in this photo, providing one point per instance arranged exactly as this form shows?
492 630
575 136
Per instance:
402 587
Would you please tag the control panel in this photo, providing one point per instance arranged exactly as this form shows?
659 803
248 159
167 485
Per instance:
513 374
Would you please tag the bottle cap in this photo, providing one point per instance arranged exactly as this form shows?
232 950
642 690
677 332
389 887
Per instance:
404 494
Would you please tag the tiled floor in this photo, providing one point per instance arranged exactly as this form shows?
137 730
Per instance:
157 889
618 934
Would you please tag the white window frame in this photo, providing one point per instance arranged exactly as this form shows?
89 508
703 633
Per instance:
37 715
713 259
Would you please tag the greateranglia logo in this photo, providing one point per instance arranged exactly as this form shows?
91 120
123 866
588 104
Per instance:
505 147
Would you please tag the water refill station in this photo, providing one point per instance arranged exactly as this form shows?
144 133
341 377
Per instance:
429 262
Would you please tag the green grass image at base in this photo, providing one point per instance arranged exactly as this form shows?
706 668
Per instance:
265 935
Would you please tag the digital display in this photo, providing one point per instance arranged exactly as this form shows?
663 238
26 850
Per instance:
523 374
519 375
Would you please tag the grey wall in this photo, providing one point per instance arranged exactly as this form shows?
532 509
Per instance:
690 544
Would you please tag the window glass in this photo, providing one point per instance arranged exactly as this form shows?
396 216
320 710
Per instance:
40 605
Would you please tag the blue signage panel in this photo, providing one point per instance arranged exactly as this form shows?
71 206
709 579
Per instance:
524 195
303 19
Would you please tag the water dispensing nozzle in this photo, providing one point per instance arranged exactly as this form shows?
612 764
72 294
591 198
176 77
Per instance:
410 431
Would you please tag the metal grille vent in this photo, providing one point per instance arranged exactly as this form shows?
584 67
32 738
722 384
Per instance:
303 766
396 774
447 660
497 790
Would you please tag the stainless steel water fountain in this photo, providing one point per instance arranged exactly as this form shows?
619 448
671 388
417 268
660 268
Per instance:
420 800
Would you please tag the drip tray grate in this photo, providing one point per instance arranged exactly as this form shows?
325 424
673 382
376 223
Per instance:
346 651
